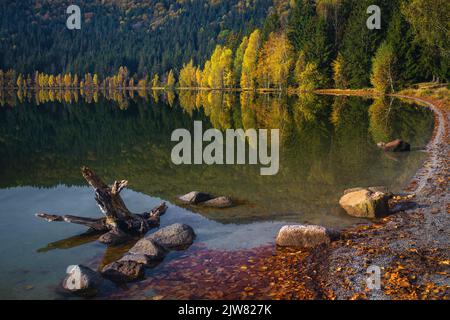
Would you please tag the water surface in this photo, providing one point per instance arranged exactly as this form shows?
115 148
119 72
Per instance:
327 144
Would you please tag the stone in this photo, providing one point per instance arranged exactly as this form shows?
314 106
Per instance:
381 189
305 236
82 281
195 197
123 271
219 202
138 258
149 248
395 146
175 236
114 238
365 203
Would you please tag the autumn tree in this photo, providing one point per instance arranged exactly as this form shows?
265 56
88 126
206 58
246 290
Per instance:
142 83
155 81
225 68
170 83
95 81
19 81
67 80
300 66
238 59
75 81
187 78
206 73
339 78
382 77
310 79
249 62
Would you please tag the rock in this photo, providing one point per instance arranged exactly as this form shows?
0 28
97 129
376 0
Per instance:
140 258
304 236
149 248
365 203
219 202
175 236
381 189
82 281
114 237
123 271
195 197
395 146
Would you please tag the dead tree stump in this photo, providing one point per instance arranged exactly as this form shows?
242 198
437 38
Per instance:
119 224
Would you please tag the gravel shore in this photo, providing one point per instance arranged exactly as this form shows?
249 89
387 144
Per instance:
411 247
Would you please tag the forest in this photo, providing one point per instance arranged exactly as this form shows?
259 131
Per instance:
248 45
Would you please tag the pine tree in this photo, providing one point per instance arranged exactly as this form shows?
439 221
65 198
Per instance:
431 24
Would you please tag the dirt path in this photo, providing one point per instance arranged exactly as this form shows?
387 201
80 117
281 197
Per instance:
411 248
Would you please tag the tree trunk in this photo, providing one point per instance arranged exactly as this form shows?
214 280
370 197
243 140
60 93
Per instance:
119 224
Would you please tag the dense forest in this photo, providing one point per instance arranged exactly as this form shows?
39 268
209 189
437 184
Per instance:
305 44
145 36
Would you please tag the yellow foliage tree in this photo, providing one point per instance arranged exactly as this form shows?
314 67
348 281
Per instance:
250 60
170 80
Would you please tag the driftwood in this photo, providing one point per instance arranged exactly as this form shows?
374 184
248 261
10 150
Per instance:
119 224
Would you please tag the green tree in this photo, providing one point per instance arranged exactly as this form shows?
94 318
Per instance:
382 77
310 78
431 25
238 59
339 78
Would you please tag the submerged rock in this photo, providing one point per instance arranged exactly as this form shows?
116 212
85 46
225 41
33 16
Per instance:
149 248
219 202
365 203
123 271
114 237
82 281
195 197
305 236
395 146
175 236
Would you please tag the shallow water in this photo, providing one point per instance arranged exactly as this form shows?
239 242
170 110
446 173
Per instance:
327 144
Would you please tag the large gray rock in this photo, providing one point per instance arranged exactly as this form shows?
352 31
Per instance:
175 236
365 203
305 236
149 248
123 271
82 281
195 197
219 202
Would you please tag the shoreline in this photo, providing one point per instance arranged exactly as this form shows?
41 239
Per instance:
410 246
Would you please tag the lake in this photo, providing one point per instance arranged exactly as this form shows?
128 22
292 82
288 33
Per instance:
327 144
